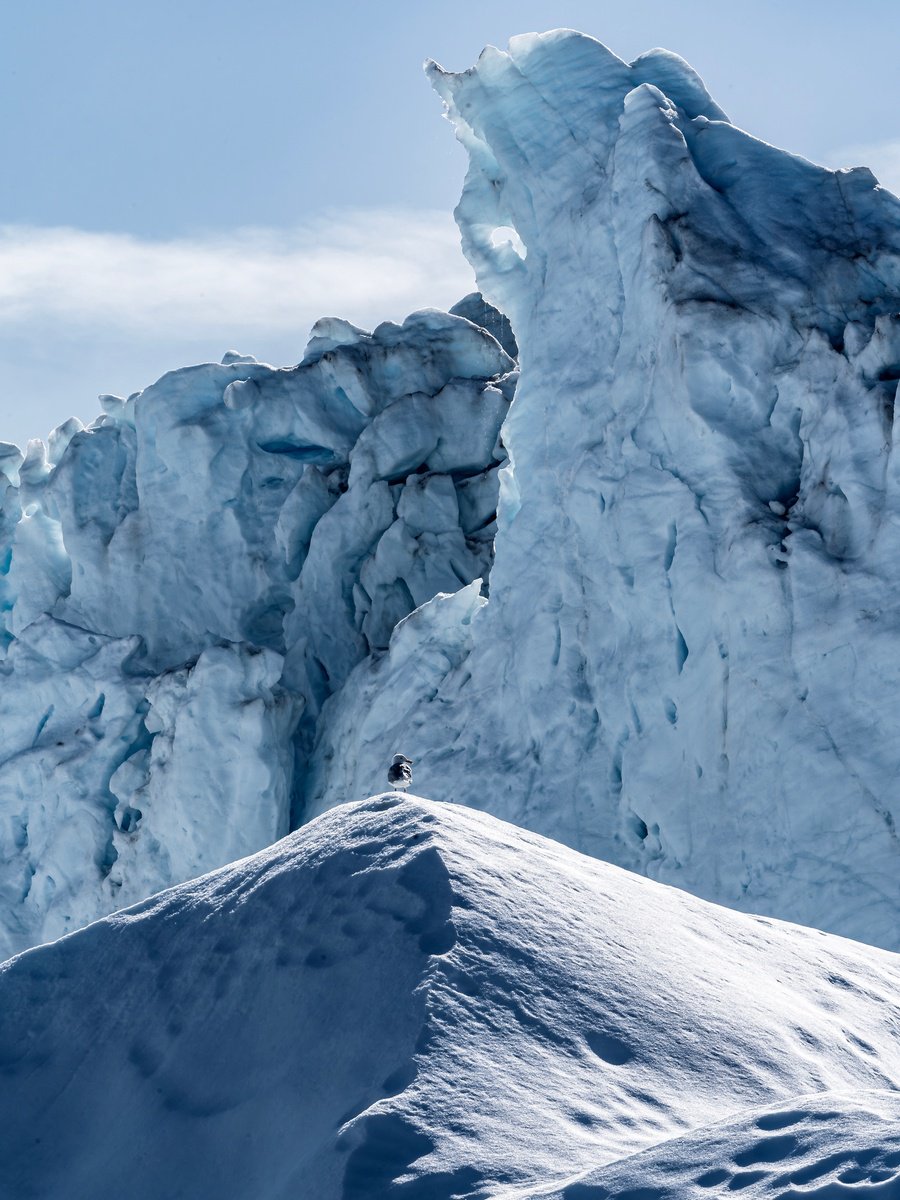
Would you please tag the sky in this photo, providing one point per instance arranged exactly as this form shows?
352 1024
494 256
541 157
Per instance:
188 177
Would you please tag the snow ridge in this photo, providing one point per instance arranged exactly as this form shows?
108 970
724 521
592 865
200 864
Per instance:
410 999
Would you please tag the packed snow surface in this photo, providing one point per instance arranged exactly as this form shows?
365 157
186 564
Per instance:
651 608
417 1000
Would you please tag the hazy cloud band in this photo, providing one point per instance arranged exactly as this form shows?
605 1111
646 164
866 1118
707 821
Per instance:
363 266
83 313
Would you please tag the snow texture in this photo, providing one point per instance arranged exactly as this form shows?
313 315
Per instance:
415 1000
183 583
690 658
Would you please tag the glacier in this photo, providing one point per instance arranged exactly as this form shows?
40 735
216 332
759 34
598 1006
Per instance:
414 999
611 547
610 551
188 579
690 657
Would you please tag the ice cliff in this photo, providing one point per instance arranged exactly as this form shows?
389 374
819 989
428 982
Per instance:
184 583
656 619
690 660
415 1000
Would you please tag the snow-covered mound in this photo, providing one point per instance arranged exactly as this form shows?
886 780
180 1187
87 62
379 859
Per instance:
184 582
690 660
417 1000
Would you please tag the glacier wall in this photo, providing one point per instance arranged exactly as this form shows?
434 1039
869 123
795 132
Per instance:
225 604
183 583
690 660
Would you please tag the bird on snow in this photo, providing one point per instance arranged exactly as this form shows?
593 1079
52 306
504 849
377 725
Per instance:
400 772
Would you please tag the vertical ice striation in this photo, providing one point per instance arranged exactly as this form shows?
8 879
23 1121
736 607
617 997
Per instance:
227 602
185 582
690 658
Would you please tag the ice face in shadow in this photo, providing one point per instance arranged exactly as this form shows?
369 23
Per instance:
409 999
689 658
185 582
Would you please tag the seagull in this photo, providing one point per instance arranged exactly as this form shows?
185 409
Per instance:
400 772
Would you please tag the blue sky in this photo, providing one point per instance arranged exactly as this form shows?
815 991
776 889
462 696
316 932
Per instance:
184 178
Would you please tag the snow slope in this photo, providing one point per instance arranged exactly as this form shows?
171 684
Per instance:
690 658
828 1147
185 581
417 1000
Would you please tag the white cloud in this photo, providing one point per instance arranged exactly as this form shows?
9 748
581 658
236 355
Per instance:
357 265
882 159
84 313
